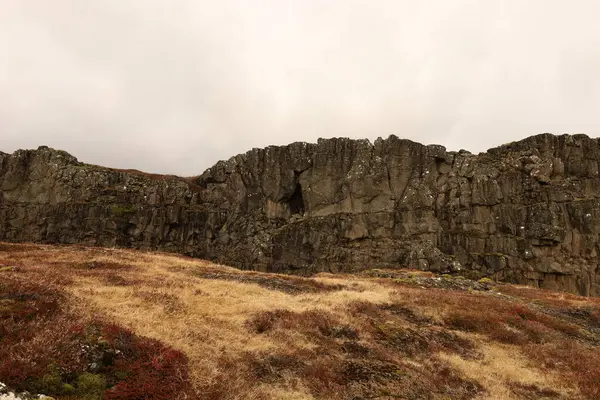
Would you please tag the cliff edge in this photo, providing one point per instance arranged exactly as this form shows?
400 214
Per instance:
526 212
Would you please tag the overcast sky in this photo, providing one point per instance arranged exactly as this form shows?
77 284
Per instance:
173 86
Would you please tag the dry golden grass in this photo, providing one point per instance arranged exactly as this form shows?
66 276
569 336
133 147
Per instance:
333 336
502 367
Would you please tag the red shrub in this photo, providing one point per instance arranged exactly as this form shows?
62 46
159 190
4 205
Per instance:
151 370
577 362
521 311
43 347
27 311
17 372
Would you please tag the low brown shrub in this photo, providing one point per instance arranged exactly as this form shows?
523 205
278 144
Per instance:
507 322
533 392
325 377
574 361
312 323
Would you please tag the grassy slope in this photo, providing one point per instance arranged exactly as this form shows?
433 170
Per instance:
246 335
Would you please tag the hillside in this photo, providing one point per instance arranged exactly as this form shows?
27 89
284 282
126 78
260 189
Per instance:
88 323
527 212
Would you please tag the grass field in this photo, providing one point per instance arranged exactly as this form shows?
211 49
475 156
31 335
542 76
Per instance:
92 323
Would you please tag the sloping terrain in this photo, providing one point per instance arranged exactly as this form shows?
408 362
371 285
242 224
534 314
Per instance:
92 323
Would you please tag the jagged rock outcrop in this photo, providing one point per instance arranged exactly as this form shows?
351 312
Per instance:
526 212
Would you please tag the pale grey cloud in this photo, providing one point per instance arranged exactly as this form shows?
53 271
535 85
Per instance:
173 86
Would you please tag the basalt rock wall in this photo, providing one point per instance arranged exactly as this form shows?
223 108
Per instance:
526 212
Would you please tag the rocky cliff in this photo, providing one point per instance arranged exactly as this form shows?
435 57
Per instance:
526 212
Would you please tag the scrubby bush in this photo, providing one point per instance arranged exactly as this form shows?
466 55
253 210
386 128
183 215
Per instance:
147 368
45 349
91 386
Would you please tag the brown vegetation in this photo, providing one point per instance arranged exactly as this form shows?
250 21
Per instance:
177 327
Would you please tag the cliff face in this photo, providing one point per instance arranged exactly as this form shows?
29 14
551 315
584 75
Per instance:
527 212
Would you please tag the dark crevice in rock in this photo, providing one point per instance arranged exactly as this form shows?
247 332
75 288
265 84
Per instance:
296 202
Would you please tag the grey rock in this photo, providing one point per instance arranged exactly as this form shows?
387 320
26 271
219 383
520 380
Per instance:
525 212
